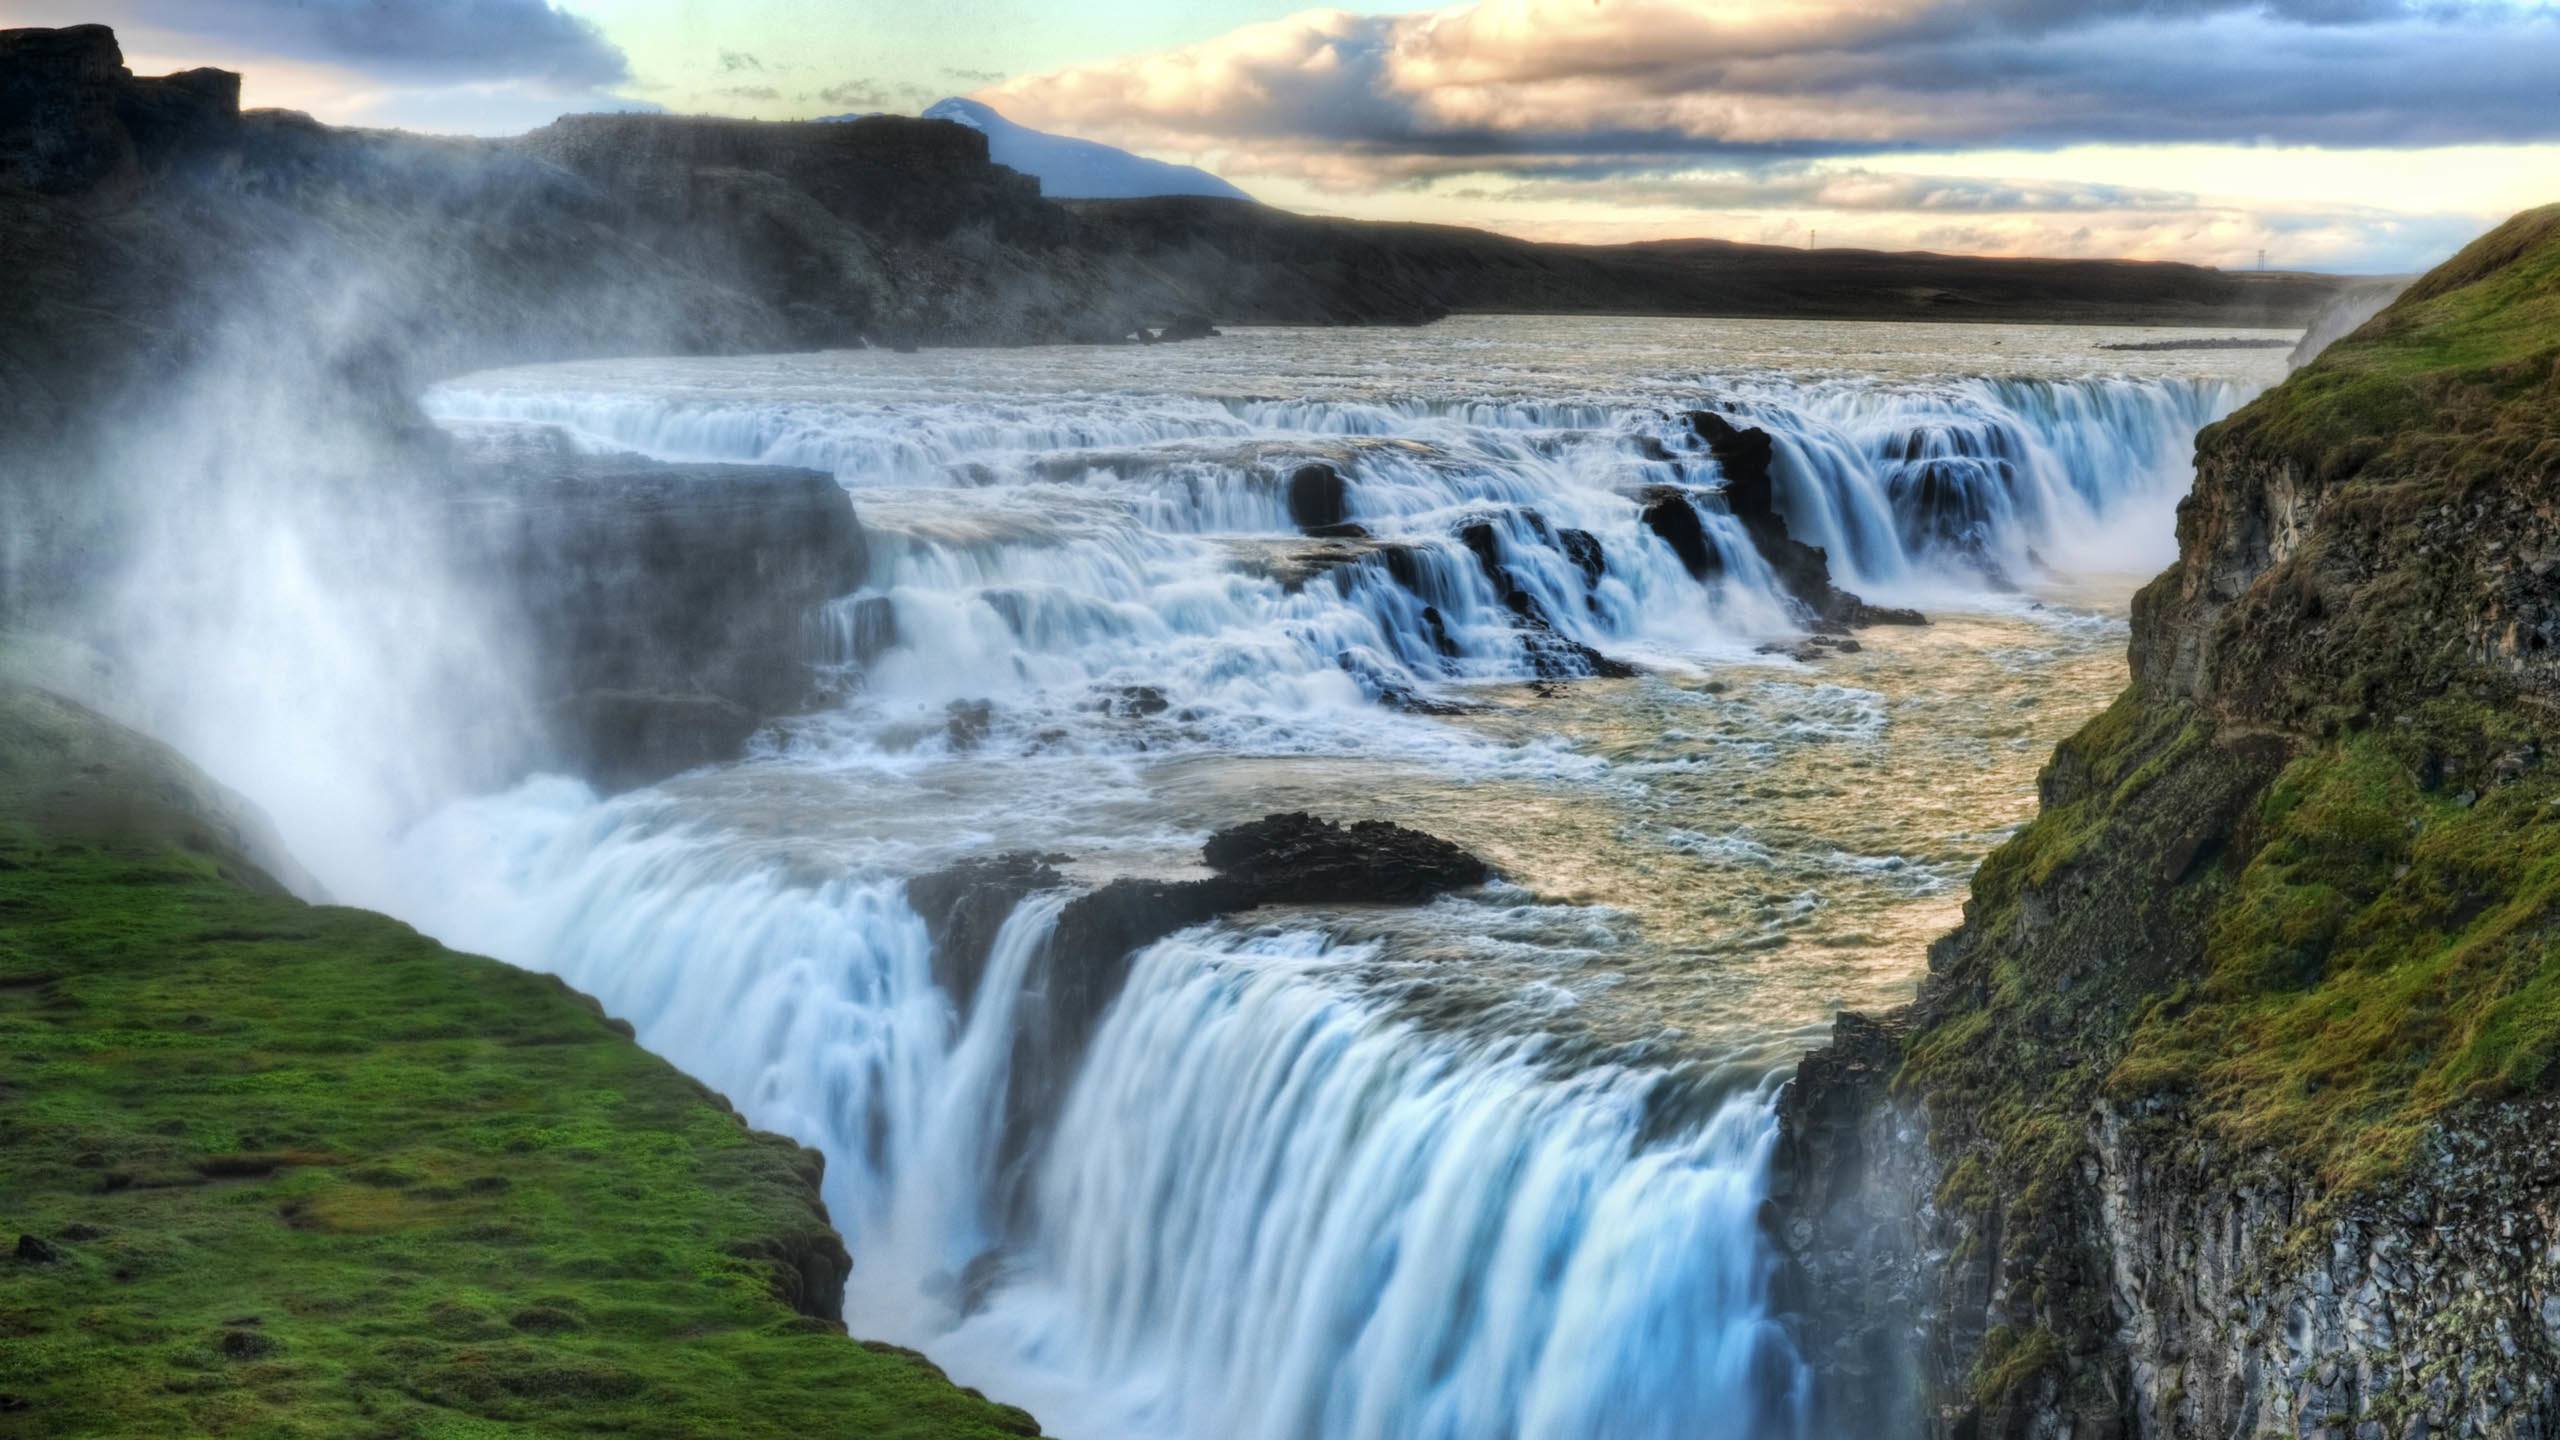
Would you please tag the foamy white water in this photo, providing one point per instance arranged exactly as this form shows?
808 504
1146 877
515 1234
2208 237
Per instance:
1486 1168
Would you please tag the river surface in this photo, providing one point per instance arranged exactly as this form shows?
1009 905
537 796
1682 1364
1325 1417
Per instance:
1482 1168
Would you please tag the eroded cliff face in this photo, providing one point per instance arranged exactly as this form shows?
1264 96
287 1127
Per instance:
2231 1108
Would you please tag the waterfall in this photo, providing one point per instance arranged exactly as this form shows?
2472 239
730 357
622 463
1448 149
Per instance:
1304 1217
1049 549
1270 1207
1293 1187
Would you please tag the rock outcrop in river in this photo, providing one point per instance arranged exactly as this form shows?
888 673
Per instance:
2229 1110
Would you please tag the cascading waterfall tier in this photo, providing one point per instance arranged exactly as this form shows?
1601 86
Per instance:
1321 1174
1270 1208
1057 548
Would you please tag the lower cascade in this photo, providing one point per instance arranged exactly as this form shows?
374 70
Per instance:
1254 1163
1269 1207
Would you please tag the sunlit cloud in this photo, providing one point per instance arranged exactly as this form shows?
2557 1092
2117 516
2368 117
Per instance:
1596 119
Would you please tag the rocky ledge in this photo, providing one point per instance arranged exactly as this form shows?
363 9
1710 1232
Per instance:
1282 859
2233 1106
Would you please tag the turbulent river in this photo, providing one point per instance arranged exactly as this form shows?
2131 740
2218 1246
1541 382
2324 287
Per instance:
1483 1168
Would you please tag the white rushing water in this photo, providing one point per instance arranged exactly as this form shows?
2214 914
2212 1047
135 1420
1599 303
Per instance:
1485 1168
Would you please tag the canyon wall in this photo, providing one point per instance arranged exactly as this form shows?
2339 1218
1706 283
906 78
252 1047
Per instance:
2230 1108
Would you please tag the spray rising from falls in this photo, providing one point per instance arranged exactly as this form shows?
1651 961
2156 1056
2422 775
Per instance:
1307 1175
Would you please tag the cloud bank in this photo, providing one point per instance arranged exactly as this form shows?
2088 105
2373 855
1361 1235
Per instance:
1803 106
1650 79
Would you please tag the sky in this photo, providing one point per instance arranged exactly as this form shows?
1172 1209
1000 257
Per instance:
2349 135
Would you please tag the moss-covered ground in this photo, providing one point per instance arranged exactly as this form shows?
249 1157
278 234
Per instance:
288 1170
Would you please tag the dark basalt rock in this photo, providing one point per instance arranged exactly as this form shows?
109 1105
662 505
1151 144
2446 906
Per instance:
1281 859
873 629
1551 655
1318 497
965 906
1187 327
623 739
1745 456
1296 856
1584 550
72 117
663 607
1669 514
965 723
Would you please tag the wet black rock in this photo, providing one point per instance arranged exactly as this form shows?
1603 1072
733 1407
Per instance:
1318 496
623 739
1584 550
1296 856
1550 654
965 723
1136 702
1745 456
1291 858
1669 513
1187 327
964 907
872 629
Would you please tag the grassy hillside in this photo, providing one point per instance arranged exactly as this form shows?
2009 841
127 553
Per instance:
285 1170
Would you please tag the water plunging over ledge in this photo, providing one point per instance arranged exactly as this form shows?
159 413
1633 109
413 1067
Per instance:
1485 1167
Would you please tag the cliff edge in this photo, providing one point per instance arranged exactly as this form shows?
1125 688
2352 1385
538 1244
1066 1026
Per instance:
2238 1081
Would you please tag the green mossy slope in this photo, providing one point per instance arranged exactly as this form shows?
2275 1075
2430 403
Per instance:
2294 901
289 1170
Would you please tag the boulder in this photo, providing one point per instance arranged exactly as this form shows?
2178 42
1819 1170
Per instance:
1318 497
1298 857
1669 514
